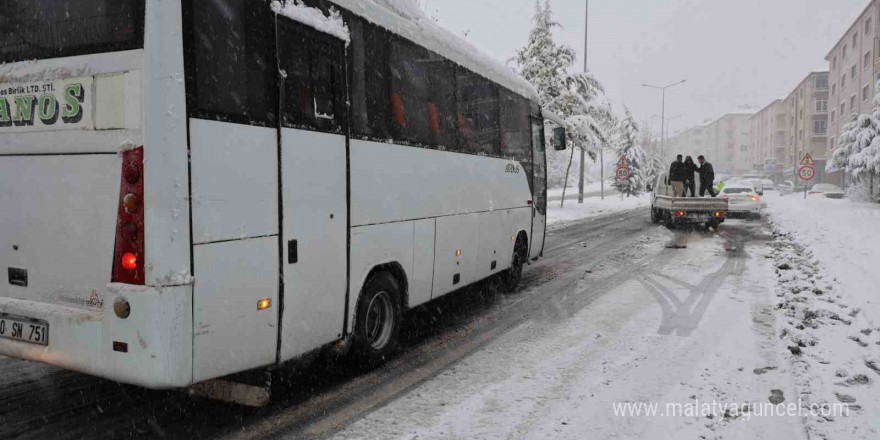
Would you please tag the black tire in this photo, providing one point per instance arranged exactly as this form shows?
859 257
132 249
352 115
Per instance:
511 278
655 219
378 319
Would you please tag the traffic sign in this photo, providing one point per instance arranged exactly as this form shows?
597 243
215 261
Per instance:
623 173
808 161
623 161
806 173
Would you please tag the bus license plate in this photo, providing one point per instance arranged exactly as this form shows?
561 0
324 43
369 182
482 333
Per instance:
24 329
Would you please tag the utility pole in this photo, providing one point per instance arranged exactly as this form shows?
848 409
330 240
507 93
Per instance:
663 112
583 171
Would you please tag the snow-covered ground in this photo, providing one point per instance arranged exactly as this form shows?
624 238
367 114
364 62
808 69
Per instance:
828 264
763 330
592 207
690 330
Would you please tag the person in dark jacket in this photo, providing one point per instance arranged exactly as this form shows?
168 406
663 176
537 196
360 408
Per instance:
707 177
676 176
690 173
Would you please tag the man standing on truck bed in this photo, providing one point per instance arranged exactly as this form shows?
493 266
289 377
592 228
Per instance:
707 177
677 176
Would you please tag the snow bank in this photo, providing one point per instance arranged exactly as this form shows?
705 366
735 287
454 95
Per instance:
314 18
594 207
826 254
406 18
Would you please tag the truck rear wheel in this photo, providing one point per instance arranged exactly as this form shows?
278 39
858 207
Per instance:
655 217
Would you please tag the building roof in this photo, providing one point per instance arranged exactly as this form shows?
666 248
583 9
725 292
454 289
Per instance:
846 34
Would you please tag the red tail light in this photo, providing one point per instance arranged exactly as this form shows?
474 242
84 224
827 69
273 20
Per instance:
680 214
128 257
754 198
720 214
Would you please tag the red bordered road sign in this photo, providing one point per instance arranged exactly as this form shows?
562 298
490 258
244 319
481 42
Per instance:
622 162
623 173
808 161
806 173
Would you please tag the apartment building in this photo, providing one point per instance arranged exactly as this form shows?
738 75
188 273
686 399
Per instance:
807 130
767 143
689 142
853 71
727 143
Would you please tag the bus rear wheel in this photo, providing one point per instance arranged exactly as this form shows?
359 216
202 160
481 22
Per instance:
378 321
512 277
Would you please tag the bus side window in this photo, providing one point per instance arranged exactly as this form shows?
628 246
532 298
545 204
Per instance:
311 75
230 66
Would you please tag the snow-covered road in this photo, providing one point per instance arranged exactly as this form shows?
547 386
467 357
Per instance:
619 317
675 327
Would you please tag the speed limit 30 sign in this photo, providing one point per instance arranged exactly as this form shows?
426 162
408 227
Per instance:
623 173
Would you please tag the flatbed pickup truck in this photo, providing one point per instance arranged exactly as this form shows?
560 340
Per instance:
680 211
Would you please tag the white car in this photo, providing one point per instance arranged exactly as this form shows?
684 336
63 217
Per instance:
769 185
826 191
744 201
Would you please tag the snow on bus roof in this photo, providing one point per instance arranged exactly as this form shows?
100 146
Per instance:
406 19
314 18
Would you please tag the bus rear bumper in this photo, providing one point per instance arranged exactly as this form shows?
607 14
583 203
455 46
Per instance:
151 348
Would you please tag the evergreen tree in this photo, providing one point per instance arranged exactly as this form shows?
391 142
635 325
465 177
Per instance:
577 97
628 145
858 149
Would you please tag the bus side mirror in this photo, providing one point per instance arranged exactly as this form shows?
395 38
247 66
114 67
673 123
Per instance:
559 140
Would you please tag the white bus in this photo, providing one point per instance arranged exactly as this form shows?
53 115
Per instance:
195 188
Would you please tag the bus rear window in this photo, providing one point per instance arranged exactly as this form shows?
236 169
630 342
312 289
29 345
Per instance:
40 29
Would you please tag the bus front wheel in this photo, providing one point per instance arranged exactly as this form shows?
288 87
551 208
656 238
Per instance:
379 318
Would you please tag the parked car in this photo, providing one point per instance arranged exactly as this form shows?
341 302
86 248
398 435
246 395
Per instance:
826 190
743 201
785 188
757 184
769 185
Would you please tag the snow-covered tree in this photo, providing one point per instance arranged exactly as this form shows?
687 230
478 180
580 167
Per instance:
858 149
653 159
576 97
627 143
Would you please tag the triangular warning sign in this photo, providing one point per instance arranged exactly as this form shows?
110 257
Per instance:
623 161
808 161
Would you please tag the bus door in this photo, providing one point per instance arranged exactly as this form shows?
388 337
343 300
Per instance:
539 188
314 187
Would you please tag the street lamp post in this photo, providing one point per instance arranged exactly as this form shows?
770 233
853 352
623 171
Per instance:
663 112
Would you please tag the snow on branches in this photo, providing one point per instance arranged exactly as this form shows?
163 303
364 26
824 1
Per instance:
858 148
627 144
577 97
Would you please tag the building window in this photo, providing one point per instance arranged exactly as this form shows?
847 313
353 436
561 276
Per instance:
821 106
842 81
833 115
843 53
842 109
820 127
852 71
833 89
866 92
852 103
855 39
821 82
867 60
834 62
868 26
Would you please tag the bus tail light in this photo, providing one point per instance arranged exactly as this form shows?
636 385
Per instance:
128 255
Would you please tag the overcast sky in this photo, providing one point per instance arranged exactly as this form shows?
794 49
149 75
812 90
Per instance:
733 53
